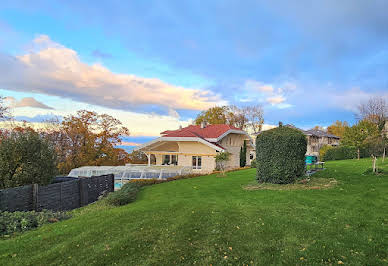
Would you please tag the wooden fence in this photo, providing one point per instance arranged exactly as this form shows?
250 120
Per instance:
59 196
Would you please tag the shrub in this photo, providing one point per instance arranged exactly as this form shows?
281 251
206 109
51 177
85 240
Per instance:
12 222
125 195
280 155
26 158
253 163
323 151
340 153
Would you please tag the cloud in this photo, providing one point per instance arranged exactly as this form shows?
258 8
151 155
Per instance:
27 102
258 86
275 100
128 143
272 95
351 99
100 54
52 69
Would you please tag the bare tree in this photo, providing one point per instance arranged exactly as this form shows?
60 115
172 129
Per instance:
255 118
4 110
236 116
374 110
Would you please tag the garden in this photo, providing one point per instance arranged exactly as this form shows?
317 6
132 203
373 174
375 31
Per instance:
214 220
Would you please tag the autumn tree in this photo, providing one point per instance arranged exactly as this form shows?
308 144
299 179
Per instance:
249 118
358 134
338 128
213 116
320 128
88 138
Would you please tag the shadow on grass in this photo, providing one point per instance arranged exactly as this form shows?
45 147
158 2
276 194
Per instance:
304 184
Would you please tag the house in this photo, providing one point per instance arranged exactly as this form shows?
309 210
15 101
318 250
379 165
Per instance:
197 146
316 139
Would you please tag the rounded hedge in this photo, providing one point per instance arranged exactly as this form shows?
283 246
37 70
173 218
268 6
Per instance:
280 155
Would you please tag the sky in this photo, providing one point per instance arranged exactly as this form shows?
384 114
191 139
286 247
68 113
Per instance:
155 65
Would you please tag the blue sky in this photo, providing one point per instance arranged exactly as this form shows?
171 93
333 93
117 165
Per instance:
156 64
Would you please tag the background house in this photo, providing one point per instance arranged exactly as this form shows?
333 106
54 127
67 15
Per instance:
316 139
197 146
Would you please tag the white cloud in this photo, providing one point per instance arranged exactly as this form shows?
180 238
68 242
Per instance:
351 99
26 102
275 100
52 69
268 93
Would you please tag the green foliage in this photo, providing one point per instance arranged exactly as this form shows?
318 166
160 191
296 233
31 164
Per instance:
26 158
253 163
280 155
213 213
125 195
214 115
243 155
340 153
11 222
323 151
357 134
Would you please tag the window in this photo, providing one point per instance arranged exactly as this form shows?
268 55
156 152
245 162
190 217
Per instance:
197 162
170 159
166 159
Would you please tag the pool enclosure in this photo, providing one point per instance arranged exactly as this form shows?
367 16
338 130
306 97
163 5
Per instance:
128 172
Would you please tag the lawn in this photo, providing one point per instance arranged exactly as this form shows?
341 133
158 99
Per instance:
213 220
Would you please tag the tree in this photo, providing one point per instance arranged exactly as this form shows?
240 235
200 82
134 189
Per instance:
138 157
338 128
4 110
357 134
374 110
280 155
255 118
26 158
243 155
247 118
88 138
213 116
221 159
319 128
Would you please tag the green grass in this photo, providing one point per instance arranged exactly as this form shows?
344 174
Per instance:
213 220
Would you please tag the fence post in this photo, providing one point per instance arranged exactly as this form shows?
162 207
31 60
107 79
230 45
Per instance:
35 192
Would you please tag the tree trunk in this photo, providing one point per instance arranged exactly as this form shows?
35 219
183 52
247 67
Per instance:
358 153
384 154
374 163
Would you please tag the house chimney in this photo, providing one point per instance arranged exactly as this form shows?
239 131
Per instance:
203 124
180 127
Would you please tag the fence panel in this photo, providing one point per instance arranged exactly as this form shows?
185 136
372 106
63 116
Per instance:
16 199
58 196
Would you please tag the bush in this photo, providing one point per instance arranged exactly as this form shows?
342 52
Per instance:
340 153
125 195
12 222
26 158
280 155
253 163
323 151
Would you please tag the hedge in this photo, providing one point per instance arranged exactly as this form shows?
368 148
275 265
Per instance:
280 155
340 153
12 222
125 195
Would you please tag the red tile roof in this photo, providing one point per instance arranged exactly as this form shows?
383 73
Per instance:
210 131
